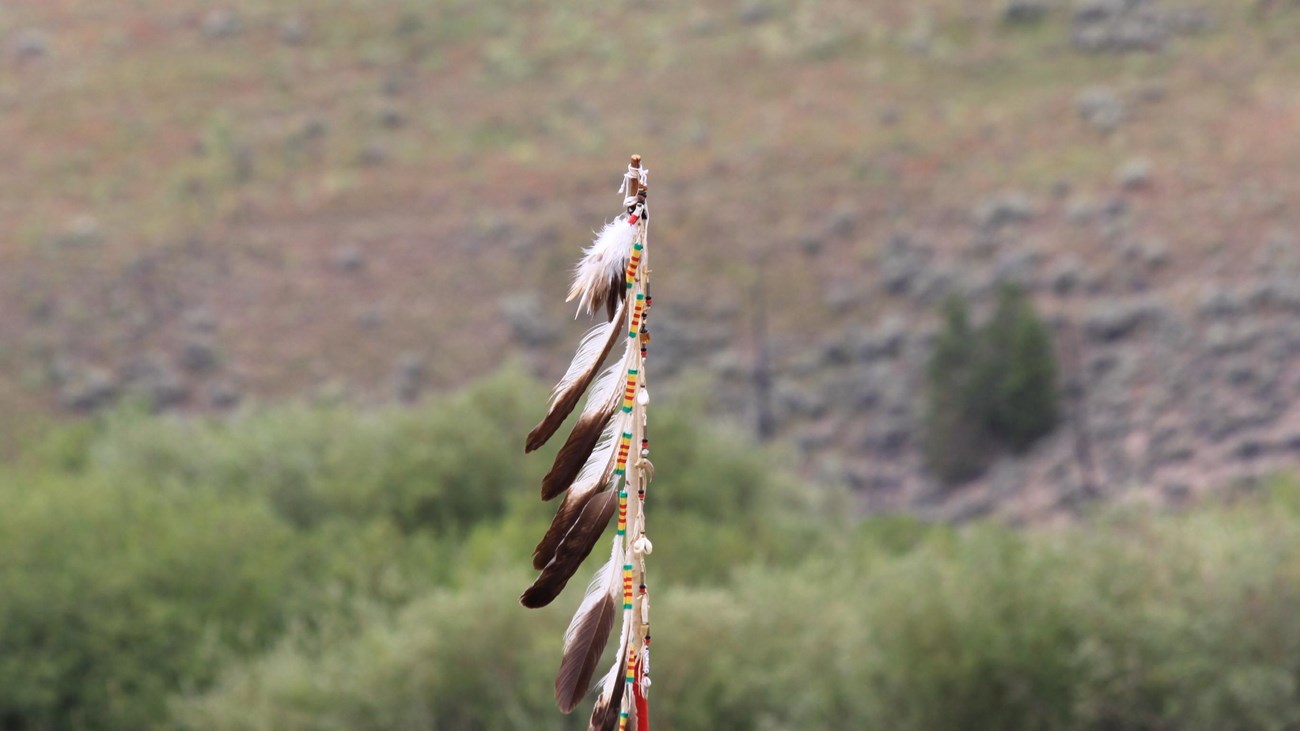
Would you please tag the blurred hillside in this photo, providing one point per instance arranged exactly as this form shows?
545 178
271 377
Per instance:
212 203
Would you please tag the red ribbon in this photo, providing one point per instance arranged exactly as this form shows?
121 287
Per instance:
642 705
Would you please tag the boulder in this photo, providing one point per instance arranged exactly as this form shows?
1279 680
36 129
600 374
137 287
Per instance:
199 354
293 32
1109 322
157 380
87 389
528 324
221 23
1101 108
409 377
30 44
1134 175
224 395
1003 209
1025 12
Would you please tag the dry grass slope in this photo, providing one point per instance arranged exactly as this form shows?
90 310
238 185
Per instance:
260 199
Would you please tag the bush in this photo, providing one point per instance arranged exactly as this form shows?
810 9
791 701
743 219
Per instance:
471 658
441 468
112 597
1131 622
1018 372
140 554
144 585
956 441
990 388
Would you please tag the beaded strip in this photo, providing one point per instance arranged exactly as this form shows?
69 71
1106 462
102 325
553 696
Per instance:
636 662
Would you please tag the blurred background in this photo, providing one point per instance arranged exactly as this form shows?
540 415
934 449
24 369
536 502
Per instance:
975 351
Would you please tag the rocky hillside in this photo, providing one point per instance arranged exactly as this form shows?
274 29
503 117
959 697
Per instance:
209 204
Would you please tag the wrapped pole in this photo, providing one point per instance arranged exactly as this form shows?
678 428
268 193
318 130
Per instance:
604 470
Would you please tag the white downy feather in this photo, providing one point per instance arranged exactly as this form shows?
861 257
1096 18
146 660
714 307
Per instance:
604 260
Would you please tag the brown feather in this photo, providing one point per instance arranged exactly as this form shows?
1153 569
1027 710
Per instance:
564 404
615 295
569 511
604 716
576 669
572 550
560 526
578 447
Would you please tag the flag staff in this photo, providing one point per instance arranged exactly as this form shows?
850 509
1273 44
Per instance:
604 469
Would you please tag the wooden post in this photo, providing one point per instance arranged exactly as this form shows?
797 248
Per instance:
633 184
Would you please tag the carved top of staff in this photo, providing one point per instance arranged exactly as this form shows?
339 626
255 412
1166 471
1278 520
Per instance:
634 185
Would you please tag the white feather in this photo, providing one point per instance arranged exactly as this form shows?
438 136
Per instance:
610 383
607 582
599 466
597 469
605 259
592 345
604 389
616 673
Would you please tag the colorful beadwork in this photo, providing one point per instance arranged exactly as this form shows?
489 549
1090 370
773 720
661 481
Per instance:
624 449
629 391
633 263
622 512
636 316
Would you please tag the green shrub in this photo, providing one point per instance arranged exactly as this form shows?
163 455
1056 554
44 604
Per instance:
957 444
112 597
1018 372
721 501
140 528
440 468
153 575
470 658
1131 622
988 388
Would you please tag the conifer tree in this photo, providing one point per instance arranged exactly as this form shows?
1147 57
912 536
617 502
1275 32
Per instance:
1019 372
956 442
989 388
